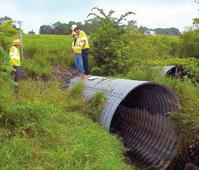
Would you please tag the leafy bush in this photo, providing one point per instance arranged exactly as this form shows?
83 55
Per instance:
190 44
7 33
5 81
109 44
4 61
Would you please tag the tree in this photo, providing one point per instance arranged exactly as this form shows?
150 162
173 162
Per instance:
4 19
46 29
108 43
7 33
61 28
190 40
31 32
108 17
196 20
132 23
167 31
143 29
90 25
190 44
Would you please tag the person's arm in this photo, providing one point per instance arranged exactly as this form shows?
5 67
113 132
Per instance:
11 52
73 46
84 38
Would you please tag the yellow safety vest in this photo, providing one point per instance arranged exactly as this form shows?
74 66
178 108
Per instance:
84 37
77 46
14 56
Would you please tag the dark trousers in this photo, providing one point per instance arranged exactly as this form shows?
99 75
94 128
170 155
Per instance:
16 73
85 53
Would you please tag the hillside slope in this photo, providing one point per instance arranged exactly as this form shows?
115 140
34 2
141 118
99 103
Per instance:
45 127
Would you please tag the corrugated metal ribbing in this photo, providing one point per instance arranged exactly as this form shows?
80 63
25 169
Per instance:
149 139
138 112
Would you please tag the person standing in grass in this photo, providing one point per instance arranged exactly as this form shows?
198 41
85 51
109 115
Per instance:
15 61
77 46
85 50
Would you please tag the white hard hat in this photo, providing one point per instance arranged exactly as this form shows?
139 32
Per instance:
73 27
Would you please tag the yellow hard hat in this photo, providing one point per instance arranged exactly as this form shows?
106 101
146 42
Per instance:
16 42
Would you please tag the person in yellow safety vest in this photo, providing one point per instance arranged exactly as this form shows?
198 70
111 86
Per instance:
77 46
85 50
15 59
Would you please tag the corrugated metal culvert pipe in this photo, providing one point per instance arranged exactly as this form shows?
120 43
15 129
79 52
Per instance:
175 71
138 112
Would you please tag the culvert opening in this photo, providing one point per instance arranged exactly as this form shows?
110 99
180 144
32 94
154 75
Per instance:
143 124
177 72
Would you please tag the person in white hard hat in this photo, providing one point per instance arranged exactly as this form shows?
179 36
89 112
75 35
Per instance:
85 51
77 46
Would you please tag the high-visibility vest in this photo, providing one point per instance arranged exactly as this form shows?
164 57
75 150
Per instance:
14 56
84 37
77 45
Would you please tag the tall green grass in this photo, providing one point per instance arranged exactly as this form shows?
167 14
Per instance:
43 127
44 52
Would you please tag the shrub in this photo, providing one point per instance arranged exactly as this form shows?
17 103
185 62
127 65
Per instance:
109 44
190 44
7 33
4 61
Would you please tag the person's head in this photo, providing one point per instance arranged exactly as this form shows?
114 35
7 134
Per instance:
75 28
74 35
16 42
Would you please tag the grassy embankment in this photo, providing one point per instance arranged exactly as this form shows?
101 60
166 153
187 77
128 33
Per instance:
43 52
151 51
44 127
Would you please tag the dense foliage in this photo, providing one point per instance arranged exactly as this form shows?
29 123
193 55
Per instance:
65 28
7 33
109 49
190 44
91 25
162 31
